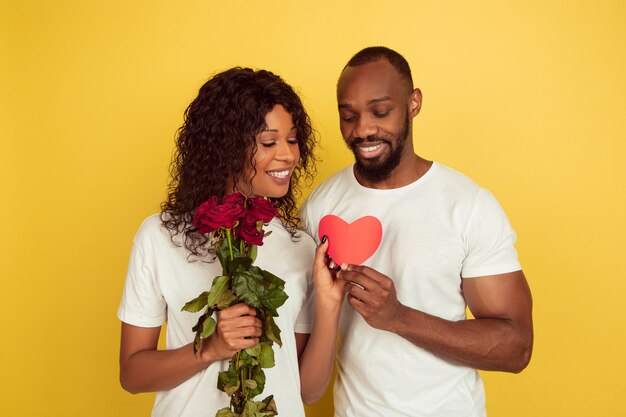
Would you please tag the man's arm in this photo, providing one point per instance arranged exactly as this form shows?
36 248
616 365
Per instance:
500 338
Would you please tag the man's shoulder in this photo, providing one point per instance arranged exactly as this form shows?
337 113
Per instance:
344 174
339 180
453 177
452 183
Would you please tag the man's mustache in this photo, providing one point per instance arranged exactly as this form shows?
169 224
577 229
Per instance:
373 139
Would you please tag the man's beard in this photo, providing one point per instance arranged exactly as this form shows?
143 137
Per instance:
375 170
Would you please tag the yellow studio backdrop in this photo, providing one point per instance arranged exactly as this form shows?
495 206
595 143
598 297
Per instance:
527 98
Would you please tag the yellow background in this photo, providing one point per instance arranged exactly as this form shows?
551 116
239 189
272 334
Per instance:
527 98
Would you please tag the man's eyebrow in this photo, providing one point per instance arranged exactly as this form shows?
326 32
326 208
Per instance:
378 100
369 102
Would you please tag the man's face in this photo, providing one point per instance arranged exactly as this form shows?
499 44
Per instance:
375 119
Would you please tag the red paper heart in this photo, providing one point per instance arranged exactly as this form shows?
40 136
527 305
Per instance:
351 243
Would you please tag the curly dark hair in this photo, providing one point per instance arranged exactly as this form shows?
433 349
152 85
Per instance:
216 143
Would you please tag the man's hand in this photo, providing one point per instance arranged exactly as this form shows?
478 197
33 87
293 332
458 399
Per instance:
372 295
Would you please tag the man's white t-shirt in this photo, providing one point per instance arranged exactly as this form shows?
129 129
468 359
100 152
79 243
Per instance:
435 231
161 280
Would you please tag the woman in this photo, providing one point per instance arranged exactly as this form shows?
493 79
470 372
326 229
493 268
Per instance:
247 131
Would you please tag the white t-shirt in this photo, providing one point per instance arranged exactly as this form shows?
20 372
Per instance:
161 280
435 230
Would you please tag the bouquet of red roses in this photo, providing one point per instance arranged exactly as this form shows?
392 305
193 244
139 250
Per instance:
235 228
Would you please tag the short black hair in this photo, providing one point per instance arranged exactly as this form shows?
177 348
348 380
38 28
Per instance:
375 53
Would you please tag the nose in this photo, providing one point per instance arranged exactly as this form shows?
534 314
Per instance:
287 152
364 128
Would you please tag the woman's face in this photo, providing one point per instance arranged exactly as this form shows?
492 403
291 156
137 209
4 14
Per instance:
276 156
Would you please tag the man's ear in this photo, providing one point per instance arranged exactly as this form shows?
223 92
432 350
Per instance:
415 102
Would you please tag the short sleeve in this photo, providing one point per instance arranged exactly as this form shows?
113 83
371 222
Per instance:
142 302
489 240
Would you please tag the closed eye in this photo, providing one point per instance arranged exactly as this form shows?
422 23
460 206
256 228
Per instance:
380 115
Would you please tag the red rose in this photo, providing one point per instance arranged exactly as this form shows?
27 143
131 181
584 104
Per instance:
222 215
248 230
262 209
235 198
201 213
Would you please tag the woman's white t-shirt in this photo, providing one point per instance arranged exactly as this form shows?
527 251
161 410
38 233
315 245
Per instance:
161 279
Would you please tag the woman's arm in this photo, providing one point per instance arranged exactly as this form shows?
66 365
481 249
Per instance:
316 351
143 368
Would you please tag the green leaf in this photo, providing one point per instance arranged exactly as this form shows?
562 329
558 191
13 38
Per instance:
251 383
274 299
250 410
196 343
266 358
272 280
254 351
248 288
196 304
271 330
220 284
223 254
246 359
226 300
225 412
236 245
198 329
239 264
228 381
258 375
208 327
270 405
252 251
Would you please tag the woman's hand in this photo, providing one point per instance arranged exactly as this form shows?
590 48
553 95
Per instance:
329 290
237 328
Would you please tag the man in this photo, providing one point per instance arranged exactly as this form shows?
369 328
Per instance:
406 346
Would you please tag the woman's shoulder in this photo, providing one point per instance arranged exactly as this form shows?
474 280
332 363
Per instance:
152 231
150 225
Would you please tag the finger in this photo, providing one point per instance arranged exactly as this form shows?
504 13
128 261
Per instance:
320 260
239 322
355 290
363 281
244 332
356 304
241 343
320 251
232 336
368 272
248 343
236 310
